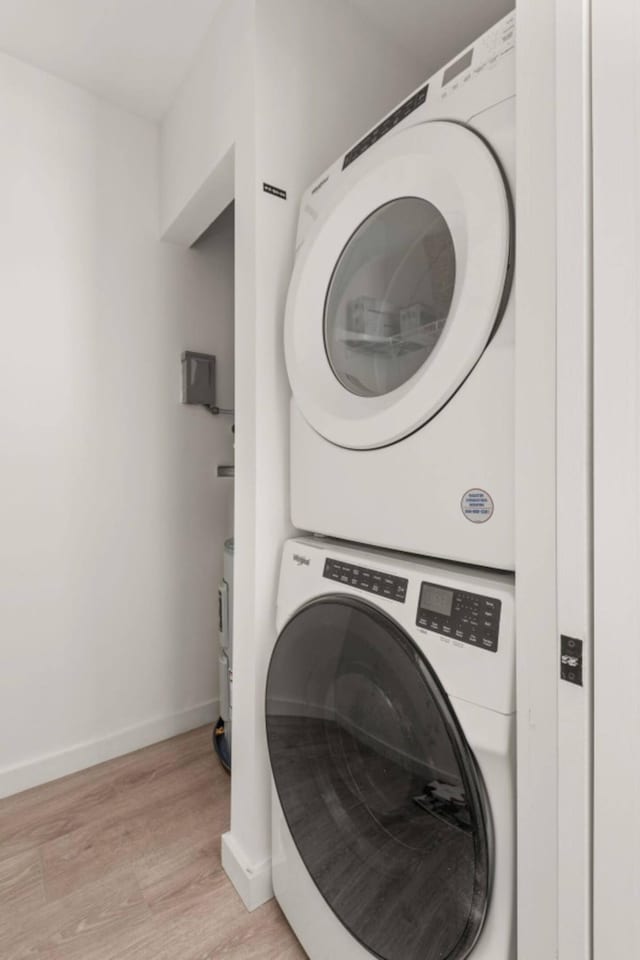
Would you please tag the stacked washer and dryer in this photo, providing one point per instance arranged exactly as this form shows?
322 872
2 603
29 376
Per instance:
390 703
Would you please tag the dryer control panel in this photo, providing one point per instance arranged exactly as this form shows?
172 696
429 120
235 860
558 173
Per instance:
466 617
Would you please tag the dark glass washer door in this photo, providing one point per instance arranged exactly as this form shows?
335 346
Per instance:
377 783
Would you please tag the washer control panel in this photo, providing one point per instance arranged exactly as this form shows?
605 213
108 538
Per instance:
363 578
466 617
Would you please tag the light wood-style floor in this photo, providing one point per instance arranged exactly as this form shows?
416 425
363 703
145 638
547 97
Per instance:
122 862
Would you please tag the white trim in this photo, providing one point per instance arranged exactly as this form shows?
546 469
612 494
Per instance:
83 755
252 881
616 140
537 649
213 195
575 548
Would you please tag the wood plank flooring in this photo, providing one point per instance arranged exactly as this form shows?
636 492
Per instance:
122 862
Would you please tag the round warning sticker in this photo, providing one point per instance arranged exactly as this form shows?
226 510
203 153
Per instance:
477 506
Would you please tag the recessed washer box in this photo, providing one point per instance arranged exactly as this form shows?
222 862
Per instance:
199 378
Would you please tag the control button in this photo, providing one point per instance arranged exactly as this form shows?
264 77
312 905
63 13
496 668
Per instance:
363 579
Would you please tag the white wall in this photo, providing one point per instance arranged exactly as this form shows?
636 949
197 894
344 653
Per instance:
112 518
313 94
198 133
432 31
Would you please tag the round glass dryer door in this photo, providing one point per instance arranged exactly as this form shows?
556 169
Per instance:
390 297
378 786
399 285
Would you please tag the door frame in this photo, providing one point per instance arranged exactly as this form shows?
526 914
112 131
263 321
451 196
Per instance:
575 473
536 555
553 477
616 95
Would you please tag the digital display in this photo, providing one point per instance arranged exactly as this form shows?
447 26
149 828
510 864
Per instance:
460 616
456 68
436 599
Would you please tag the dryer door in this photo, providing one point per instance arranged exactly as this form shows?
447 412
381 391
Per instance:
397 290
378 786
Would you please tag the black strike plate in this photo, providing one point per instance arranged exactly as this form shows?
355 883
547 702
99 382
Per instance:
571 660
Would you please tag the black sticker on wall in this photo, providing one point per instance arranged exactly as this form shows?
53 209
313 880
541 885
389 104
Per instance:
274 191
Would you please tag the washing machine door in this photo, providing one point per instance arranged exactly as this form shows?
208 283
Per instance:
378 786
398 288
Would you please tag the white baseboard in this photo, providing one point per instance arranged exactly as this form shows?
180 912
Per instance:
253 882
55 765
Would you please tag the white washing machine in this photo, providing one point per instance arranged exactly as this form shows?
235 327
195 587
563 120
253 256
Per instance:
399 329
390 715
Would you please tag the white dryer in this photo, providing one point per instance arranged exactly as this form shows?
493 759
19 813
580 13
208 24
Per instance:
399 328
390 717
